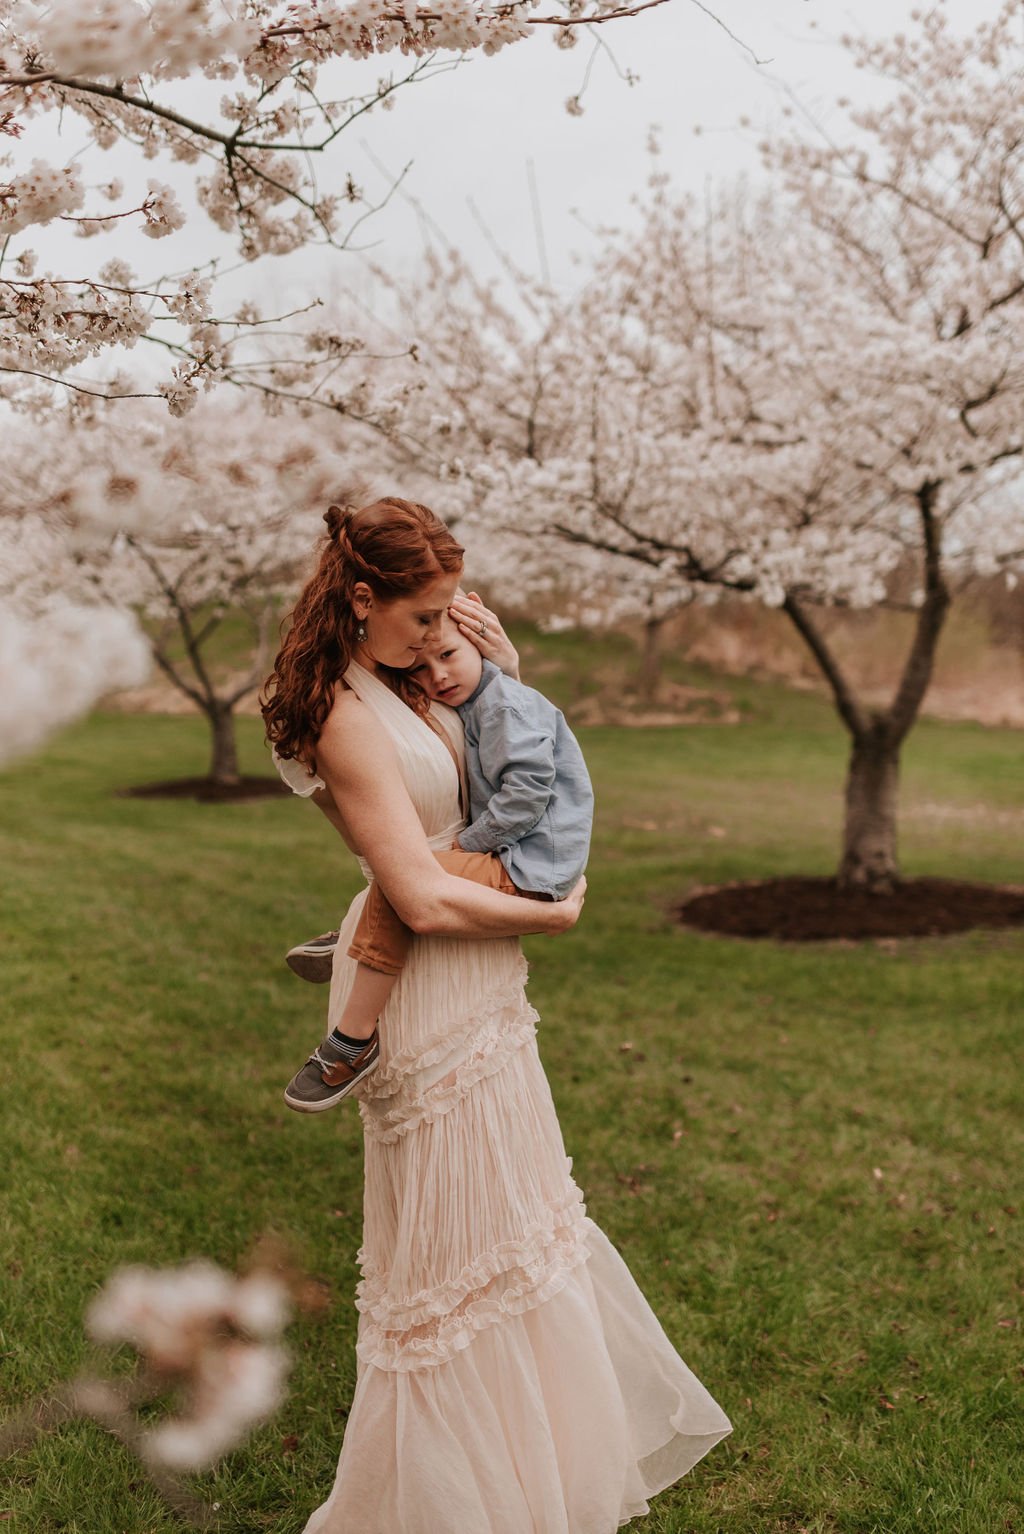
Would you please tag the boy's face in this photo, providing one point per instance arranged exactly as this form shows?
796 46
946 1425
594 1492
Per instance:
449 666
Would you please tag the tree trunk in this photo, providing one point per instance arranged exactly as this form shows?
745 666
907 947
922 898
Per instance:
869 832
650 660
224 760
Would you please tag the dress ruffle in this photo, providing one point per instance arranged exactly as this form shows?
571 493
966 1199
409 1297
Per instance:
443 1042
487 1051
468 1203
437 1338
562 1227
565 1418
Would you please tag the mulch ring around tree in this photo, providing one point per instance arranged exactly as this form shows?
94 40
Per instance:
207 791
814 910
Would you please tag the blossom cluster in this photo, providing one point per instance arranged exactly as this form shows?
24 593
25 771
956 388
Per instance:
162 210
53 326
119 40
60 648
38 196
56 663
114 64
212 1336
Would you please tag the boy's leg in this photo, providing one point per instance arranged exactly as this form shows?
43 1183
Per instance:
380 943
366 1001
381 939
482 867
351 1050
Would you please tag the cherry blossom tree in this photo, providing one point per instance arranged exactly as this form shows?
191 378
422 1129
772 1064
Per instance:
234 106
801 396
185 525
268 75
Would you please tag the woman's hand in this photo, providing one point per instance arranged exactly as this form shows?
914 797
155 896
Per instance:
572 905
359 763
484 628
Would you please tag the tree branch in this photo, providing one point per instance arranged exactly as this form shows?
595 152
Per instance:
117 93
185 624
917 672
420 18
850 711
179 681
501 13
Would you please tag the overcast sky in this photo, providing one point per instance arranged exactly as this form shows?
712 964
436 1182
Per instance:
470 136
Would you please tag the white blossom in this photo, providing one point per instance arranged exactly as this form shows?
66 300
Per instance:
44 192
236 1387
119 38
162 211
214 1337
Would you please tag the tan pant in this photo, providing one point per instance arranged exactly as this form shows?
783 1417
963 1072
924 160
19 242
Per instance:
381 939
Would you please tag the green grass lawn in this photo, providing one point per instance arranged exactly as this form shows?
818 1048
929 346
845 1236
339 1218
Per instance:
811 1160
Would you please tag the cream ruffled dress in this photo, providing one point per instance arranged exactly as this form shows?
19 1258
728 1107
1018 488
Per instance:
511 1377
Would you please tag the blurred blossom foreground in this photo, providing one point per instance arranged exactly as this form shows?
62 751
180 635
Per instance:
212 1335
207 1339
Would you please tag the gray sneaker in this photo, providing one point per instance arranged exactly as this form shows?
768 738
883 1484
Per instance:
327 1076
314 959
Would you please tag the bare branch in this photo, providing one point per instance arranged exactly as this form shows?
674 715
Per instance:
917 671
850 711
720 23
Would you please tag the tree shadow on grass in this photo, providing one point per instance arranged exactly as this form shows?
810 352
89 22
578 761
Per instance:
208 790
806 910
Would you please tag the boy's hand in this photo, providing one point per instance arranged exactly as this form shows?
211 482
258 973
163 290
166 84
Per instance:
572 905
493 643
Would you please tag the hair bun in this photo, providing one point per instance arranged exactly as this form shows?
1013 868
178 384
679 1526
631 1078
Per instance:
336 517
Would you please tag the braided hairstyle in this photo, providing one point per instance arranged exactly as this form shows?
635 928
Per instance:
396 547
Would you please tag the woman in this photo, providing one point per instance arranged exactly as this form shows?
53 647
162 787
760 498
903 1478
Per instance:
511 1377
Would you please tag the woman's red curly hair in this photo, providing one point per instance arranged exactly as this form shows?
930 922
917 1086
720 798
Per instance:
396 547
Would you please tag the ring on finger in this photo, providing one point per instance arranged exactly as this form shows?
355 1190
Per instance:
483 630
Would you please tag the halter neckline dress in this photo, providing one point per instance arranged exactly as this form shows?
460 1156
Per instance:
511 1376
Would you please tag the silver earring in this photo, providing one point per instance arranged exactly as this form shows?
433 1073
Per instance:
361 631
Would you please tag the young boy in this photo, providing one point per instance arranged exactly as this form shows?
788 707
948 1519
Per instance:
531 808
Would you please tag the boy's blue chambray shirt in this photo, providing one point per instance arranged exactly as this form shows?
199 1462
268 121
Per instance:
530 798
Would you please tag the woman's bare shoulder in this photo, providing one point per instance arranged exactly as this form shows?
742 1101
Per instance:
352 735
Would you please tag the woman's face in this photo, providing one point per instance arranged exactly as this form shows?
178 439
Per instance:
397 631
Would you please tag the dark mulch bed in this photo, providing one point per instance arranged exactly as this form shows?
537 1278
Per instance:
814 910
208 792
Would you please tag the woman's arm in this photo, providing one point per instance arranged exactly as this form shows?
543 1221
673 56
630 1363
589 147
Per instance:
357 760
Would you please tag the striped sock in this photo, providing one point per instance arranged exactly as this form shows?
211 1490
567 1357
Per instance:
346 1047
